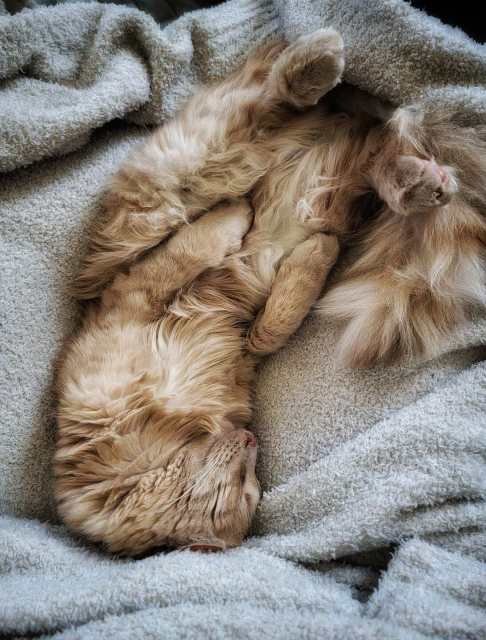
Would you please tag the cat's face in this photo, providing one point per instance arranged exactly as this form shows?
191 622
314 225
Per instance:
221 491
203 498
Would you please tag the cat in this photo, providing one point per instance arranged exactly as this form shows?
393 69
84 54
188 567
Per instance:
190 293
155 389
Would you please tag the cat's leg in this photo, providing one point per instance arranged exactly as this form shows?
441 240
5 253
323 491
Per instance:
412 185
308 68
296 287
153 281
213 151
421 266
209 153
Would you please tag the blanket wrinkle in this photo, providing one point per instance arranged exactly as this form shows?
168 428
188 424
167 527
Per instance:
373 516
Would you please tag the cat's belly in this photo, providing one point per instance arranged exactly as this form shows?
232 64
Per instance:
175 363
195 359
269 244
283 203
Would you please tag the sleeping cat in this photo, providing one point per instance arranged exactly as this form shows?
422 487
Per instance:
155 387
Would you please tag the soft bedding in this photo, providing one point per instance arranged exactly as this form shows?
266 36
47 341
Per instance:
372 521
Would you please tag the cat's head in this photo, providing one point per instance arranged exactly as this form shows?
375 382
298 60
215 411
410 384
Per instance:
223 491
203 497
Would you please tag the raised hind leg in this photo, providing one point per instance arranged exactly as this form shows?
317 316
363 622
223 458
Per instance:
308 68
420 268
412 185
213 151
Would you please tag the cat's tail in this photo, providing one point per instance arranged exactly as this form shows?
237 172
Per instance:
419 275
408 291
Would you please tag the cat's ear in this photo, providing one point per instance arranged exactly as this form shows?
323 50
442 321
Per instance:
205 548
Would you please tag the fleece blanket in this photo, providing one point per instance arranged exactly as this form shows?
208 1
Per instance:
372 521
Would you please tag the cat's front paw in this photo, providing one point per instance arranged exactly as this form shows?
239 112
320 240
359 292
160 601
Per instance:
318 253
234 223
309 68
222 230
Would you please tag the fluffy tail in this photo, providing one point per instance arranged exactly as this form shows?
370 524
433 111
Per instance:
418 275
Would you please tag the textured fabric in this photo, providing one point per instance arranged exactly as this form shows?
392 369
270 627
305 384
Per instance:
162 11
69 69
56 586
350 462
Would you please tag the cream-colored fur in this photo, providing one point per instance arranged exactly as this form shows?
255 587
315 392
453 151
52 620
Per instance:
155 388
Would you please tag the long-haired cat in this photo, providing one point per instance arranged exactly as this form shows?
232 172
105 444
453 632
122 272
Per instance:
155 388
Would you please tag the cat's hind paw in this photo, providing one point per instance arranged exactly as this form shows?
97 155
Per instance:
309 68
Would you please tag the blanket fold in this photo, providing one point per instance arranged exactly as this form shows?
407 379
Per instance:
356 467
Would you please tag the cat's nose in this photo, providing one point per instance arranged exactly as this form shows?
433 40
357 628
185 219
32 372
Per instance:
251 441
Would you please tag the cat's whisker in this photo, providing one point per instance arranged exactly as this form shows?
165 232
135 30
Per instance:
203 469
191 489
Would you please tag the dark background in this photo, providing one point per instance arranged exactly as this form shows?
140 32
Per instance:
469 16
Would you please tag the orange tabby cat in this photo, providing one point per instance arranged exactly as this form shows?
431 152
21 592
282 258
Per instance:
155 388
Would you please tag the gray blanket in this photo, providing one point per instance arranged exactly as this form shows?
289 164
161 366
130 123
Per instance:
372 523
